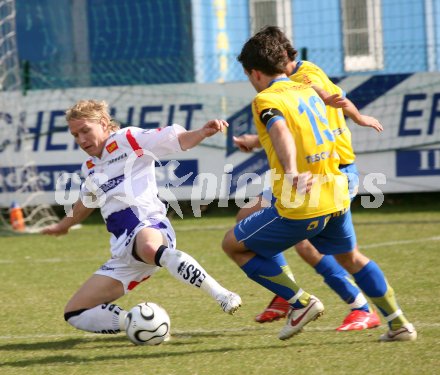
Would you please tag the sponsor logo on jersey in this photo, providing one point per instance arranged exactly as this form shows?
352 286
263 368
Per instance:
120 157
112 183
111 147
90 164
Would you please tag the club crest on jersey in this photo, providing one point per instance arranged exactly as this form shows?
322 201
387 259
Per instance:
90 164
111 147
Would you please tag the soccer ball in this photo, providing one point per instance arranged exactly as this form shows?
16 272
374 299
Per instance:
147 324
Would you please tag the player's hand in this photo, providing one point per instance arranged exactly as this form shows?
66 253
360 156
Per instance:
370 122
247 142
335 101
303 182
54 230
213 127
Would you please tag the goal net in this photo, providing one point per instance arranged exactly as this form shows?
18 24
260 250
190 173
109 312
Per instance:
19 182
160 62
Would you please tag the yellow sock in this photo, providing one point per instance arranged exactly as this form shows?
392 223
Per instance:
389 307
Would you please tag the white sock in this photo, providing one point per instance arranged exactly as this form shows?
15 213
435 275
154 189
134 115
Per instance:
186 269
359 301
106 318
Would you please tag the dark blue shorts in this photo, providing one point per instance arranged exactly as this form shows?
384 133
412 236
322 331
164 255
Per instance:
352 173
266 233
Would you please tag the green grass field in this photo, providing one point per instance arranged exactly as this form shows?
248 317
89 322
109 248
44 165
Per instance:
39 274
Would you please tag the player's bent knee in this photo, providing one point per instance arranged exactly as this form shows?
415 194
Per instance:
146 252
352 261
229 243
302 246
308 253
71 317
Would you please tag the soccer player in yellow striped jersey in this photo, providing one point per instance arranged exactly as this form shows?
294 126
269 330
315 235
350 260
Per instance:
314 143
361 315
256 243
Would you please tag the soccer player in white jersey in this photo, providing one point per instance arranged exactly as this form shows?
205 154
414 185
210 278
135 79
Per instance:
120 180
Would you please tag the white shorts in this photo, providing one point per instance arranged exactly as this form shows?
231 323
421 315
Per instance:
123 266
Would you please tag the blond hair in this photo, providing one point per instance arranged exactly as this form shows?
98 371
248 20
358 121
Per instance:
94 110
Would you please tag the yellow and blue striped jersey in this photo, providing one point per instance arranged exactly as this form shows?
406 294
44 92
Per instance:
308 73
305 116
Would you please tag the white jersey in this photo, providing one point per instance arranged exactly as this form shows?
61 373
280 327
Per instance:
122 183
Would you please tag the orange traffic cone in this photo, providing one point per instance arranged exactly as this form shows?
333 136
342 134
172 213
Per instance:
16 217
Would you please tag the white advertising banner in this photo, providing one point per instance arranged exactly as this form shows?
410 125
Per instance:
404 158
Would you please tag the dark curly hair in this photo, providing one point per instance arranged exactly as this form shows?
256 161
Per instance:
265 53
278 35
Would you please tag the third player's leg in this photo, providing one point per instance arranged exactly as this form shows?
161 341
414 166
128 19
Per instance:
339 238
308 253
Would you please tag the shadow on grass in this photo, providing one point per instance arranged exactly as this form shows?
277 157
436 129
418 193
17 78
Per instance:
179 347
73 342
167 351
56 345
45 345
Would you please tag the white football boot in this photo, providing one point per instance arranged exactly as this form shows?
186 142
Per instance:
298 318
229 302
405 333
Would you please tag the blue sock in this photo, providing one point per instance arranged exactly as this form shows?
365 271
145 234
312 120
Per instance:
268 273
371 280
338 279
280 259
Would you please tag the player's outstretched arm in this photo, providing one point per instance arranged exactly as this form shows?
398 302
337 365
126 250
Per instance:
192 138
362 120
247 142
335 100
78 213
